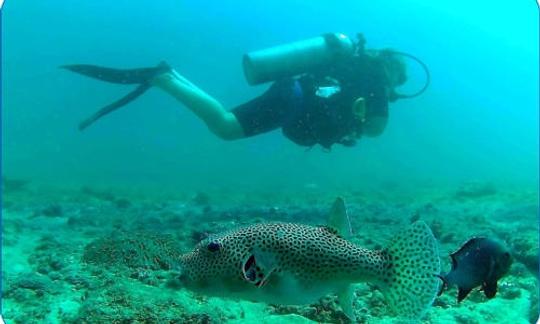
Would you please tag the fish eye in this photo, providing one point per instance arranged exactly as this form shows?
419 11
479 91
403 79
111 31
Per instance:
213 246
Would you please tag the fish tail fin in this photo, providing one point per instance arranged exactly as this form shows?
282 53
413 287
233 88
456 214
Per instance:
413 263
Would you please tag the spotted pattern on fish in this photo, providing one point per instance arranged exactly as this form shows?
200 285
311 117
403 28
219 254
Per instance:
406 268
311 253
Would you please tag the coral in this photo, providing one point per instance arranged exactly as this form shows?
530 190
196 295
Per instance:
78 281
53 210
48 256
526 251
325 311
98 194
40 285
201 199
122 203
109 259
475 190
121 304
13 185
134 250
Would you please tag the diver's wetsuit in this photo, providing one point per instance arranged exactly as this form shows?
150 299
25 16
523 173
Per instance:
306 118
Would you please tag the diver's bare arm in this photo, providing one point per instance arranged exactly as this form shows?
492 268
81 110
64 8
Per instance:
220 121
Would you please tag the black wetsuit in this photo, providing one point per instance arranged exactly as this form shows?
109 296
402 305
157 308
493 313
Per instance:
307 118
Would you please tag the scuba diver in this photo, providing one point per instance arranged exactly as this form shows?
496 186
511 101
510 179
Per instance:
326 90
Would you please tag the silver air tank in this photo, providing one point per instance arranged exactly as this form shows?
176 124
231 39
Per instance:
295 58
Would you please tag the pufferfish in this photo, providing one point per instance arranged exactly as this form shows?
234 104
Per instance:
295 264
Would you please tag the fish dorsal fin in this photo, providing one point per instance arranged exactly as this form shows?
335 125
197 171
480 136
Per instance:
339 219
454 261
258 267
466 245
464 248
455 256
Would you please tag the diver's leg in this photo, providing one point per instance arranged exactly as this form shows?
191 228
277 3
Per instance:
220 121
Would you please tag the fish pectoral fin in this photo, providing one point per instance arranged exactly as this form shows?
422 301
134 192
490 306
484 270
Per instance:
345 299
462 293
489 286
490 289
265 277
492 264
258 268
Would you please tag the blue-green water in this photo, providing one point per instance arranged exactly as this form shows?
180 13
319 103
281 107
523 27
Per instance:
476 126
479 119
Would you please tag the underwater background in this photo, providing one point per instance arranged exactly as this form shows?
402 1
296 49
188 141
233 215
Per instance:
463 156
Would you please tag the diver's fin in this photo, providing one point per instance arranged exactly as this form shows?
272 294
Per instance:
410 272
339 219
345 299
142 76
462 293
119 76
115 105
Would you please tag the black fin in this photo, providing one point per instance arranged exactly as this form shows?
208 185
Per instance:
443 286
454 262
462 293
490 289
469 243
119 76
141 76
115 105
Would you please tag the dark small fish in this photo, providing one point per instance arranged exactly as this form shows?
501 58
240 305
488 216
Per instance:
479 262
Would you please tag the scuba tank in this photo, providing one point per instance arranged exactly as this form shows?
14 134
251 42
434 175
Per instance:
295 58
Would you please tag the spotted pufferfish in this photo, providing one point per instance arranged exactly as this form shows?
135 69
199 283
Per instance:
295 264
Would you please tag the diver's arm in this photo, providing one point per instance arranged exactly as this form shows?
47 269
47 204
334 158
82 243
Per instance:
220 121
372 125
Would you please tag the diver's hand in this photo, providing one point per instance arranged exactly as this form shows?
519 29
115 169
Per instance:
372 126
359 109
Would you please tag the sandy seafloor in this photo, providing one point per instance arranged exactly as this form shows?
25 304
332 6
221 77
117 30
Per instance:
75 255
